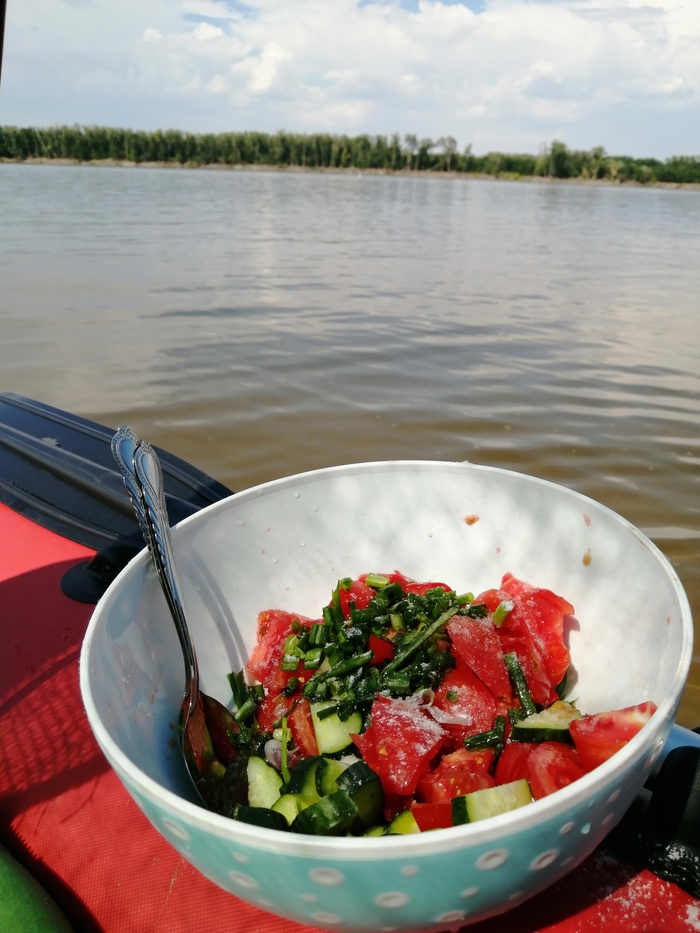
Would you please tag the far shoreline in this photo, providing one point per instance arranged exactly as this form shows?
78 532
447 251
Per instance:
404 173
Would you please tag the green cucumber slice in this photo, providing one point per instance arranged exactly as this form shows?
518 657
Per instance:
332 733
364 788
263 783
403 825
329 816
306 779
490 801
550 725
330 775
262 816
289 805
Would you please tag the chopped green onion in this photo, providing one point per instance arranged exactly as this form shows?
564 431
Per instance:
317 634
464 599
502 611
326 711
398 682
292 685
238 688
515 714
477 611
520 686
245 711
422 637
396 621
291 644
492 738
376 580
289 662
313 658
285 759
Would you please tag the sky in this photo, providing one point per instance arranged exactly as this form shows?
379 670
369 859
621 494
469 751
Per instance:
499 75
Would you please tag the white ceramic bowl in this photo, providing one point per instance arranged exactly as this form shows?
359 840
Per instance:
284 545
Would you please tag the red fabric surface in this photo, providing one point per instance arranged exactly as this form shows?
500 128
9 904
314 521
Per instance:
64 813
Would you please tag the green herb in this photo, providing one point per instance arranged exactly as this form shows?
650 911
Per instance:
285 751
492 738
238 688
502 611
376 580
520 686
403 656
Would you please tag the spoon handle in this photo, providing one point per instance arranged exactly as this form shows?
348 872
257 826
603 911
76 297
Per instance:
149 475
143 478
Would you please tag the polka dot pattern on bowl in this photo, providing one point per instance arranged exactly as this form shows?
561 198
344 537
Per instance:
443 890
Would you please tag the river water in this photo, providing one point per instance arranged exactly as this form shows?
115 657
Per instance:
264 323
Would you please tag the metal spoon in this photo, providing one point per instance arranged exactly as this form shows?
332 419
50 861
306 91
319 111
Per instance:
206 727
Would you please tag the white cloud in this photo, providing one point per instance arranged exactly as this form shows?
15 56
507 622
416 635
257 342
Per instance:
152 35
262 71
205 31
518 73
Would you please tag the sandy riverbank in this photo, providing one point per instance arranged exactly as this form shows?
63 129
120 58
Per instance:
469 176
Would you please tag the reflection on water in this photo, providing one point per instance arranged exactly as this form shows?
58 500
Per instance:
261 323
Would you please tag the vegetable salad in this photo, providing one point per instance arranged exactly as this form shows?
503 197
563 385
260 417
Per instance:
406 707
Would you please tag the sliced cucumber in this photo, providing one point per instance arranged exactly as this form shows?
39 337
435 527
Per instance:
306 780
332 733
289 805
364 788
376 830
262 816
550 725
403 824
329 816
330 775
490 801
263 783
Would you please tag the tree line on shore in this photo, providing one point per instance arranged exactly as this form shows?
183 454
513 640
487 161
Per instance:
326 151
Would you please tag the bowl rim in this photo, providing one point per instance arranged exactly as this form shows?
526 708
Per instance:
412 845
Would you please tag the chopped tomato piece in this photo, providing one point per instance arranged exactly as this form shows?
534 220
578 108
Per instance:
358 594
467 705
271 710
534 629
383 649
599 736
512 762
432 815
399 744
478 762
420 589
458 773
476 643
264 664
551 766
542 613
273 628
302 729
538 682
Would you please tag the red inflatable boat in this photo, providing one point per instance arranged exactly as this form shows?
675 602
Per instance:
66 526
